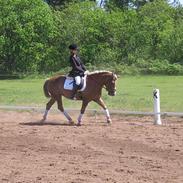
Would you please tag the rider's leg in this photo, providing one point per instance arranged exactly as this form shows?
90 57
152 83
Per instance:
78 80
76 85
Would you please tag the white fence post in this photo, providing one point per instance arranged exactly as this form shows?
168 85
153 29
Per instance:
157 114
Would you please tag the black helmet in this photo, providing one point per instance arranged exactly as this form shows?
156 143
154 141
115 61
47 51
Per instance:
73 47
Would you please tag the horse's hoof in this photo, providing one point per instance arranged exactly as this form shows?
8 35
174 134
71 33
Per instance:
42 120
109 121
71 122
78 124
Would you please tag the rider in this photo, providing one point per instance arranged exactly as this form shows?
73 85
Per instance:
78 68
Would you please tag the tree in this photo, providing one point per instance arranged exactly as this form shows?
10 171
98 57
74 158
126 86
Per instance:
26 33
156 24
126 4
96 31
61 3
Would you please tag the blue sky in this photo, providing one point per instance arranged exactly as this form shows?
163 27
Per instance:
181 1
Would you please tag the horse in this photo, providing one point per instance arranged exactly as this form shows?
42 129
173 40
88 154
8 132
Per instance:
54 89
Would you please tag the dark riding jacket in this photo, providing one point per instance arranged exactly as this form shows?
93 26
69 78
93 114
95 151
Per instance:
78 67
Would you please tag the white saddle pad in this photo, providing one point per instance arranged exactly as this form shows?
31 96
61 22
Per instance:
69 81
68 84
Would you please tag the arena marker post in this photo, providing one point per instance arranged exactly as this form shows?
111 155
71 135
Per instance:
157 114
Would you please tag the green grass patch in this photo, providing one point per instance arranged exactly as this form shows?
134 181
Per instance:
133 93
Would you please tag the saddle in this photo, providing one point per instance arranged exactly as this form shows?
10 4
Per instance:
69 83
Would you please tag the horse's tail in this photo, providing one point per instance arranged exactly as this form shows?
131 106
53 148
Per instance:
45 89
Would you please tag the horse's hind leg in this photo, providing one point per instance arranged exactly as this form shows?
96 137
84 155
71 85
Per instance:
48 106
102 104
60 107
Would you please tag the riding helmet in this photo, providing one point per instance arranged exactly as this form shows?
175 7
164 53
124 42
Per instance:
73 47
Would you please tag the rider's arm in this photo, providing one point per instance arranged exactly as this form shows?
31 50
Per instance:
83 66
75 65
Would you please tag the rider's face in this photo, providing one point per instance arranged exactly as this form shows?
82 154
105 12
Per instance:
73 52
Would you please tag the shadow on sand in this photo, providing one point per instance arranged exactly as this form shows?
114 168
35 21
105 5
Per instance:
39 123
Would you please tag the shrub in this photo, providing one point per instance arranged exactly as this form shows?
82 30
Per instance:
27 30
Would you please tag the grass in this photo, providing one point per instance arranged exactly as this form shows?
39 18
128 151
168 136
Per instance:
133 93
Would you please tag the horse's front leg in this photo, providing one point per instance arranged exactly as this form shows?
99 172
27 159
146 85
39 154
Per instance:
61 108
102 104
84 105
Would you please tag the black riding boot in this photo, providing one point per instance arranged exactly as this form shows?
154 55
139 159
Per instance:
75 89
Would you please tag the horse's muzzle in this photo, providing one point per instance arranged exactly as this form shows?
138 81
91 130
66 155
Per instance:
113 93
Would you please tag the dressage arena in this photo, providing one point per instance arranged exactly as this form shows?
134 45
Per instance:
132 149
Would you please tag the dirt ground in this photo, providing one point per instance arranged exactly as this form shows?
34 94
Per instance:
131 150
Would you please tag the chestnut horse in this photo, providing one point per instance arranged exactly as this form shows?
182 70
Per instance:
95 81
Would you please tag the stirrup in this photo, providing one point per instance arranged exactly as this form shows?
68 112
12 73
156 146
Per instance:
73 97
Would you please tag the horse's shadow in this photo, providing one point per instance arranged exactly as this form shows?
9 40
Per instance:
48 123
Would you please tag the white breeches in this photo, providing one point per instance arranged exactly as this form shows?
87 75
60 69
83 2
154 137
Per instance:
78 80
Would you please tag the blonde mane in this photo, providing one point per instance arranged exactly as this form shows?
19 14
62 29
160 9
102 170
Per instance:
98 72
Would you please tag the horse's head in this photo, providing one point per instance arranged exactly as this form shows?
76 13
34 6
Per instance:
111 84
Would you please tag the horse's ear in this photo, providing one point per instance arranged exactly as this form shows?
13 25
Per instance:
114 76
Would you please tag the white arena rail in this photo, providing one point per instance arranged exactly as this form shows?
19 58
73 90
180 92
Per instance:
122 112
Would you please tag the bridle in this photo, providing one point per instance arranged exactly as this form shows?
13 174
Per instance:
114 77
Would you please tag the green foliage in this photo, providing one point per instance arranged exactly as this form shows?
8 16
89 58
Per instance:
58 4
102 36
34 38
126 4
163 67
27 29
